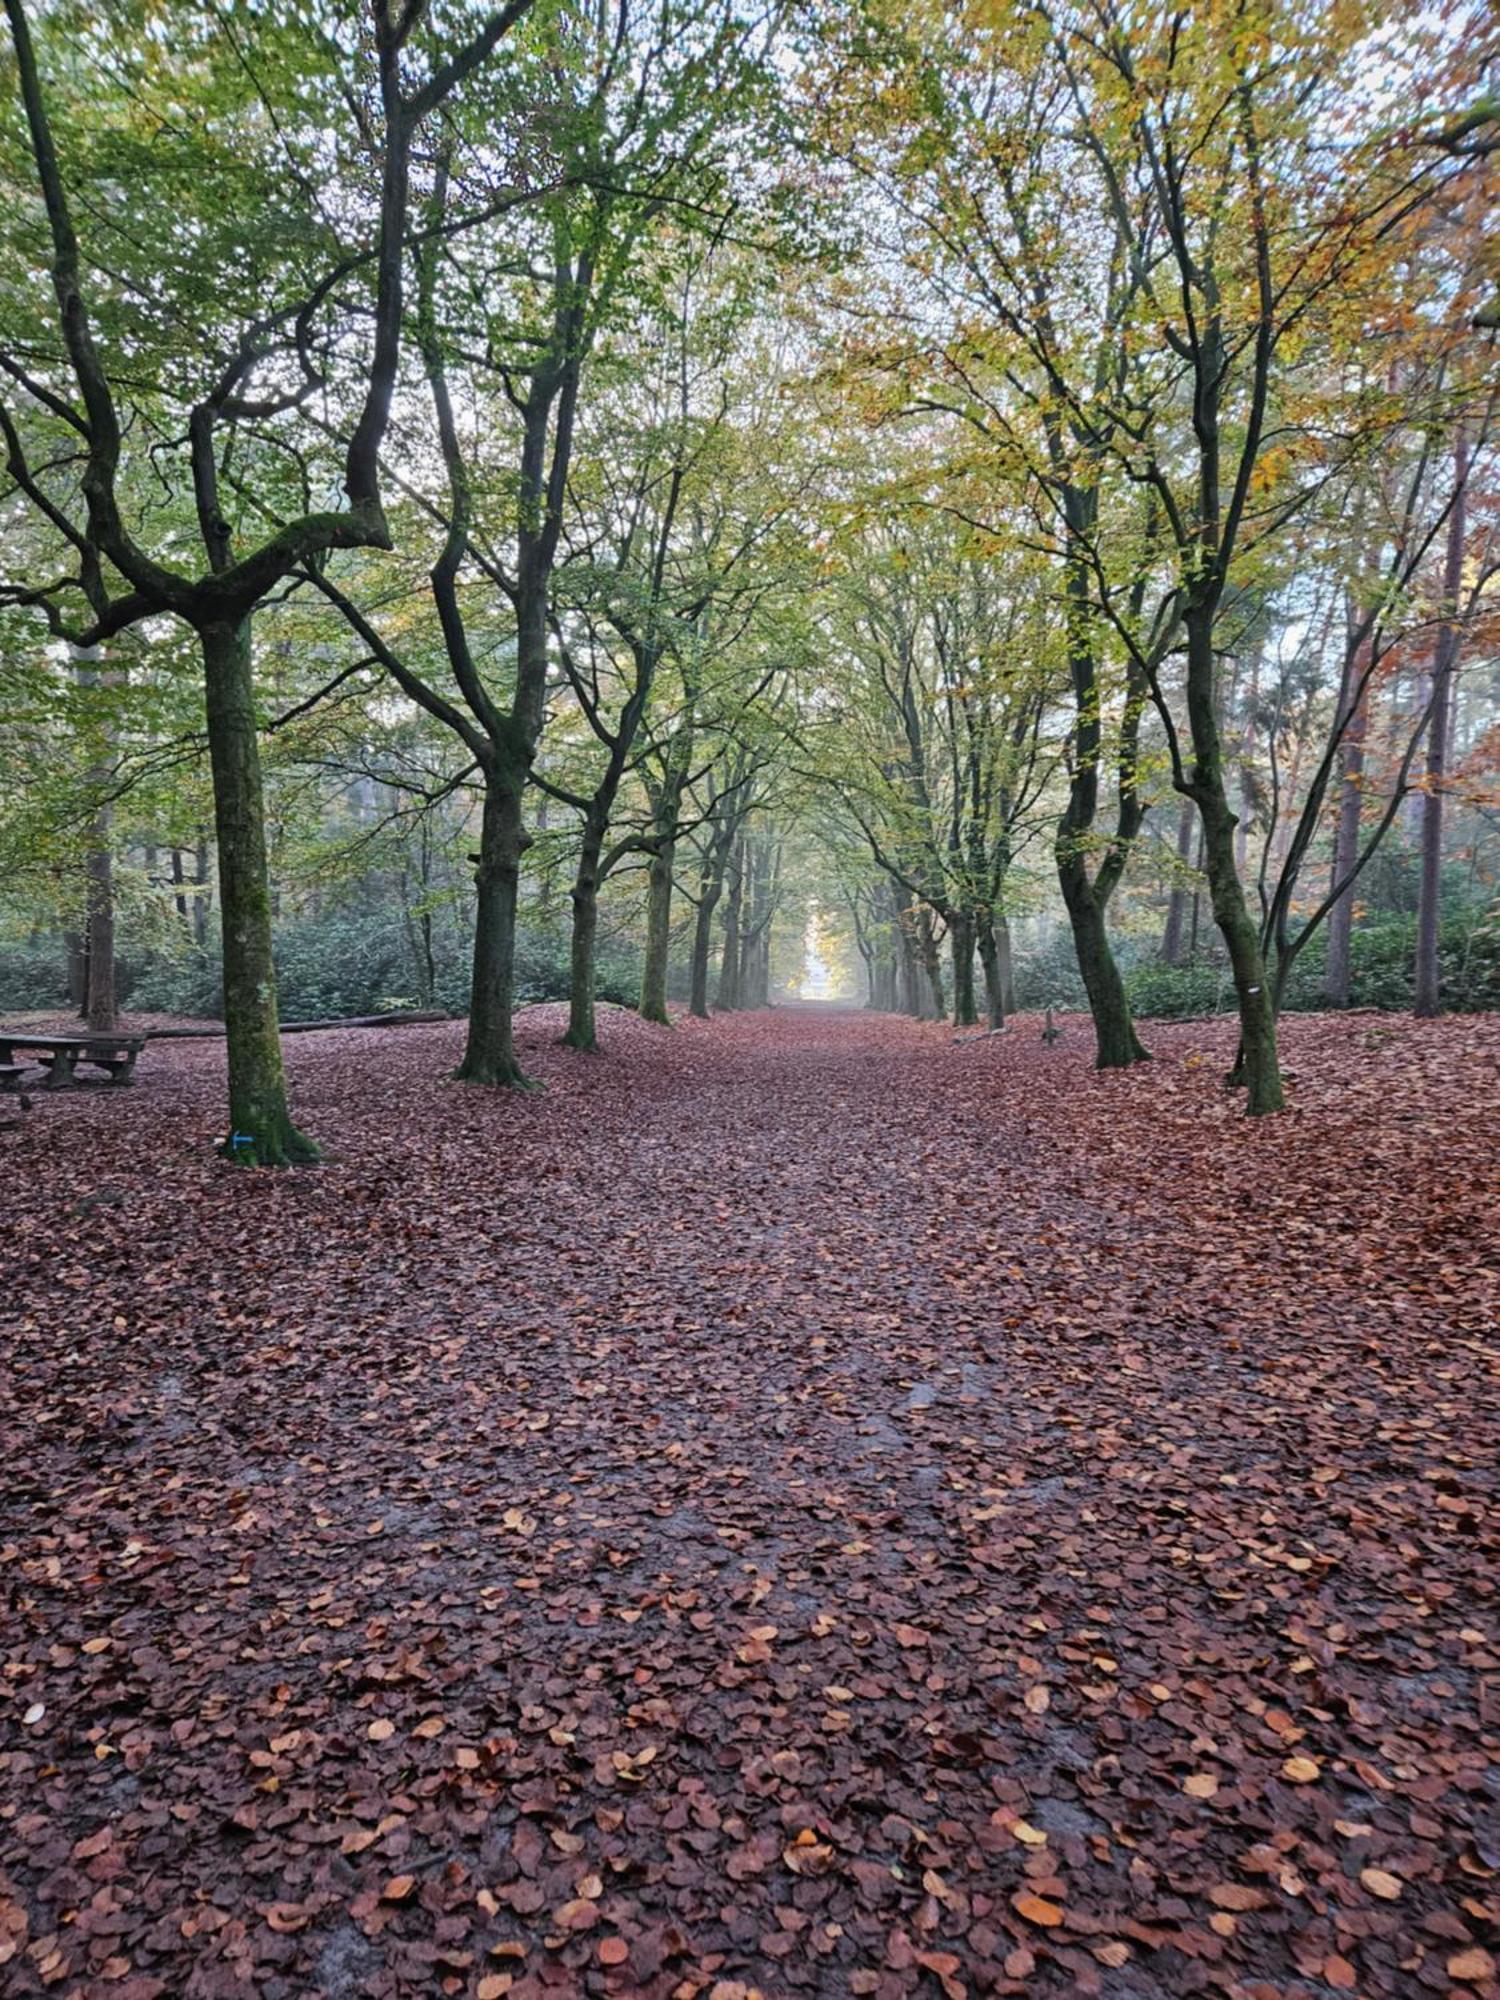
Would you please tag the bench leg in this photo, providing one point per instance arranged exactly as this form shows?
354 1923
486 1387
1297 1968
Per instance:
59 1070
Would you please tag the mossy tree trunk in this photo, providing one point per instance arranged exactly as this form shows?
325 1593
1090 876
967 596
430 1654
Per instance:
261 1130
582 969
659 884
489 1049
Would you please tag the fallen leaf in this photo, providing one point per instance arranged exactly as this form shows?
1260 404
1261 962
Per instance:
1036 1909
1380 1882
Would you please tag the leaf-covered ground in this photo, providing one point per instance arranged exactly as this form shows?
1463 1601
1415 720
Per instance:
804 1506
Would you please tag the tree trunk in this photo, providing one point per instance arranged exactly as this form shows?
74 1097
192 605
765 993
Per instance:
77 973
1257 1065
711 891
1006 960
1336 980
1116 1043
884 975
261 1132
489 1050
1177 902
179 900
200 901
1427 998
961 938
581 1031
744 984
728 996
658 934
994 978
100 1010
98 1006
909 963
935 1007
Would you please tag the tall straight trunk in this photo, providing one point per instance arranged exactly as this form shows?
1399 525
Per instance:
1247 767
261 1132
1006 960
179 884
744 985
961 939
710 892
489 1048
727 997
935 1006
1337 976
1427 998
200 901
582 1030
883 963
1257 1065
1195 901
908 959
658 933
1177 901
753 980
78 973
994 978
98 1007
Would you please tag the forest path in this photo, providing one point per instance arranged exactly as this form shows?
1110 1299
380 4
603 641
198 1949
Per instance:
801 1505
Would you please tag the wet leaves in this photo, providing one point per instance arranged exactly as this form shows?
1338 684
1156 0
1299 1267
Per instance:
800 1507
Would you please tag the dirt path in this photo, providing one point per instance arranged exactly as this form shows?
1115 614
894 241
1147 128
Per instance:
800 1505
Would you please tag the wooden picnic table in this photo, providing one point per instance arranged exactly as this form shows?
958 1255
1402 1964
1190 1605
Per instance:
60 1056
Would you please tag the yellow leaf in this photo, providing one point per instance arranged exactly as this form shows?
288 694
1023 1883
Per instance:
1380 1882
1036 1910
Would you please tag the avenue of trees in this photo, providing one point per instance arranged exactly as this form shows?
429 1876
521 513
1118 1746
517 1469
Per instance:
590 503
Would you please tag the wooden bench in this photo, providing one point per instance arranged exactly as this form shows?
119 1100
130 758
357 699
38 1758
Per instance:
60 1056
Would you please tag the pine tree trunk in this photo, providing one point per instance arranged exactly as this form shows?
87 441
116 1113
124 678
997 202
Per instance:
261 1132
489 1049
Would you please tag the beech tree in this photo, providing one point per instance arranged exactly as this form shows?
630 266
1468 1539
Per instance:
640 128
243 377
